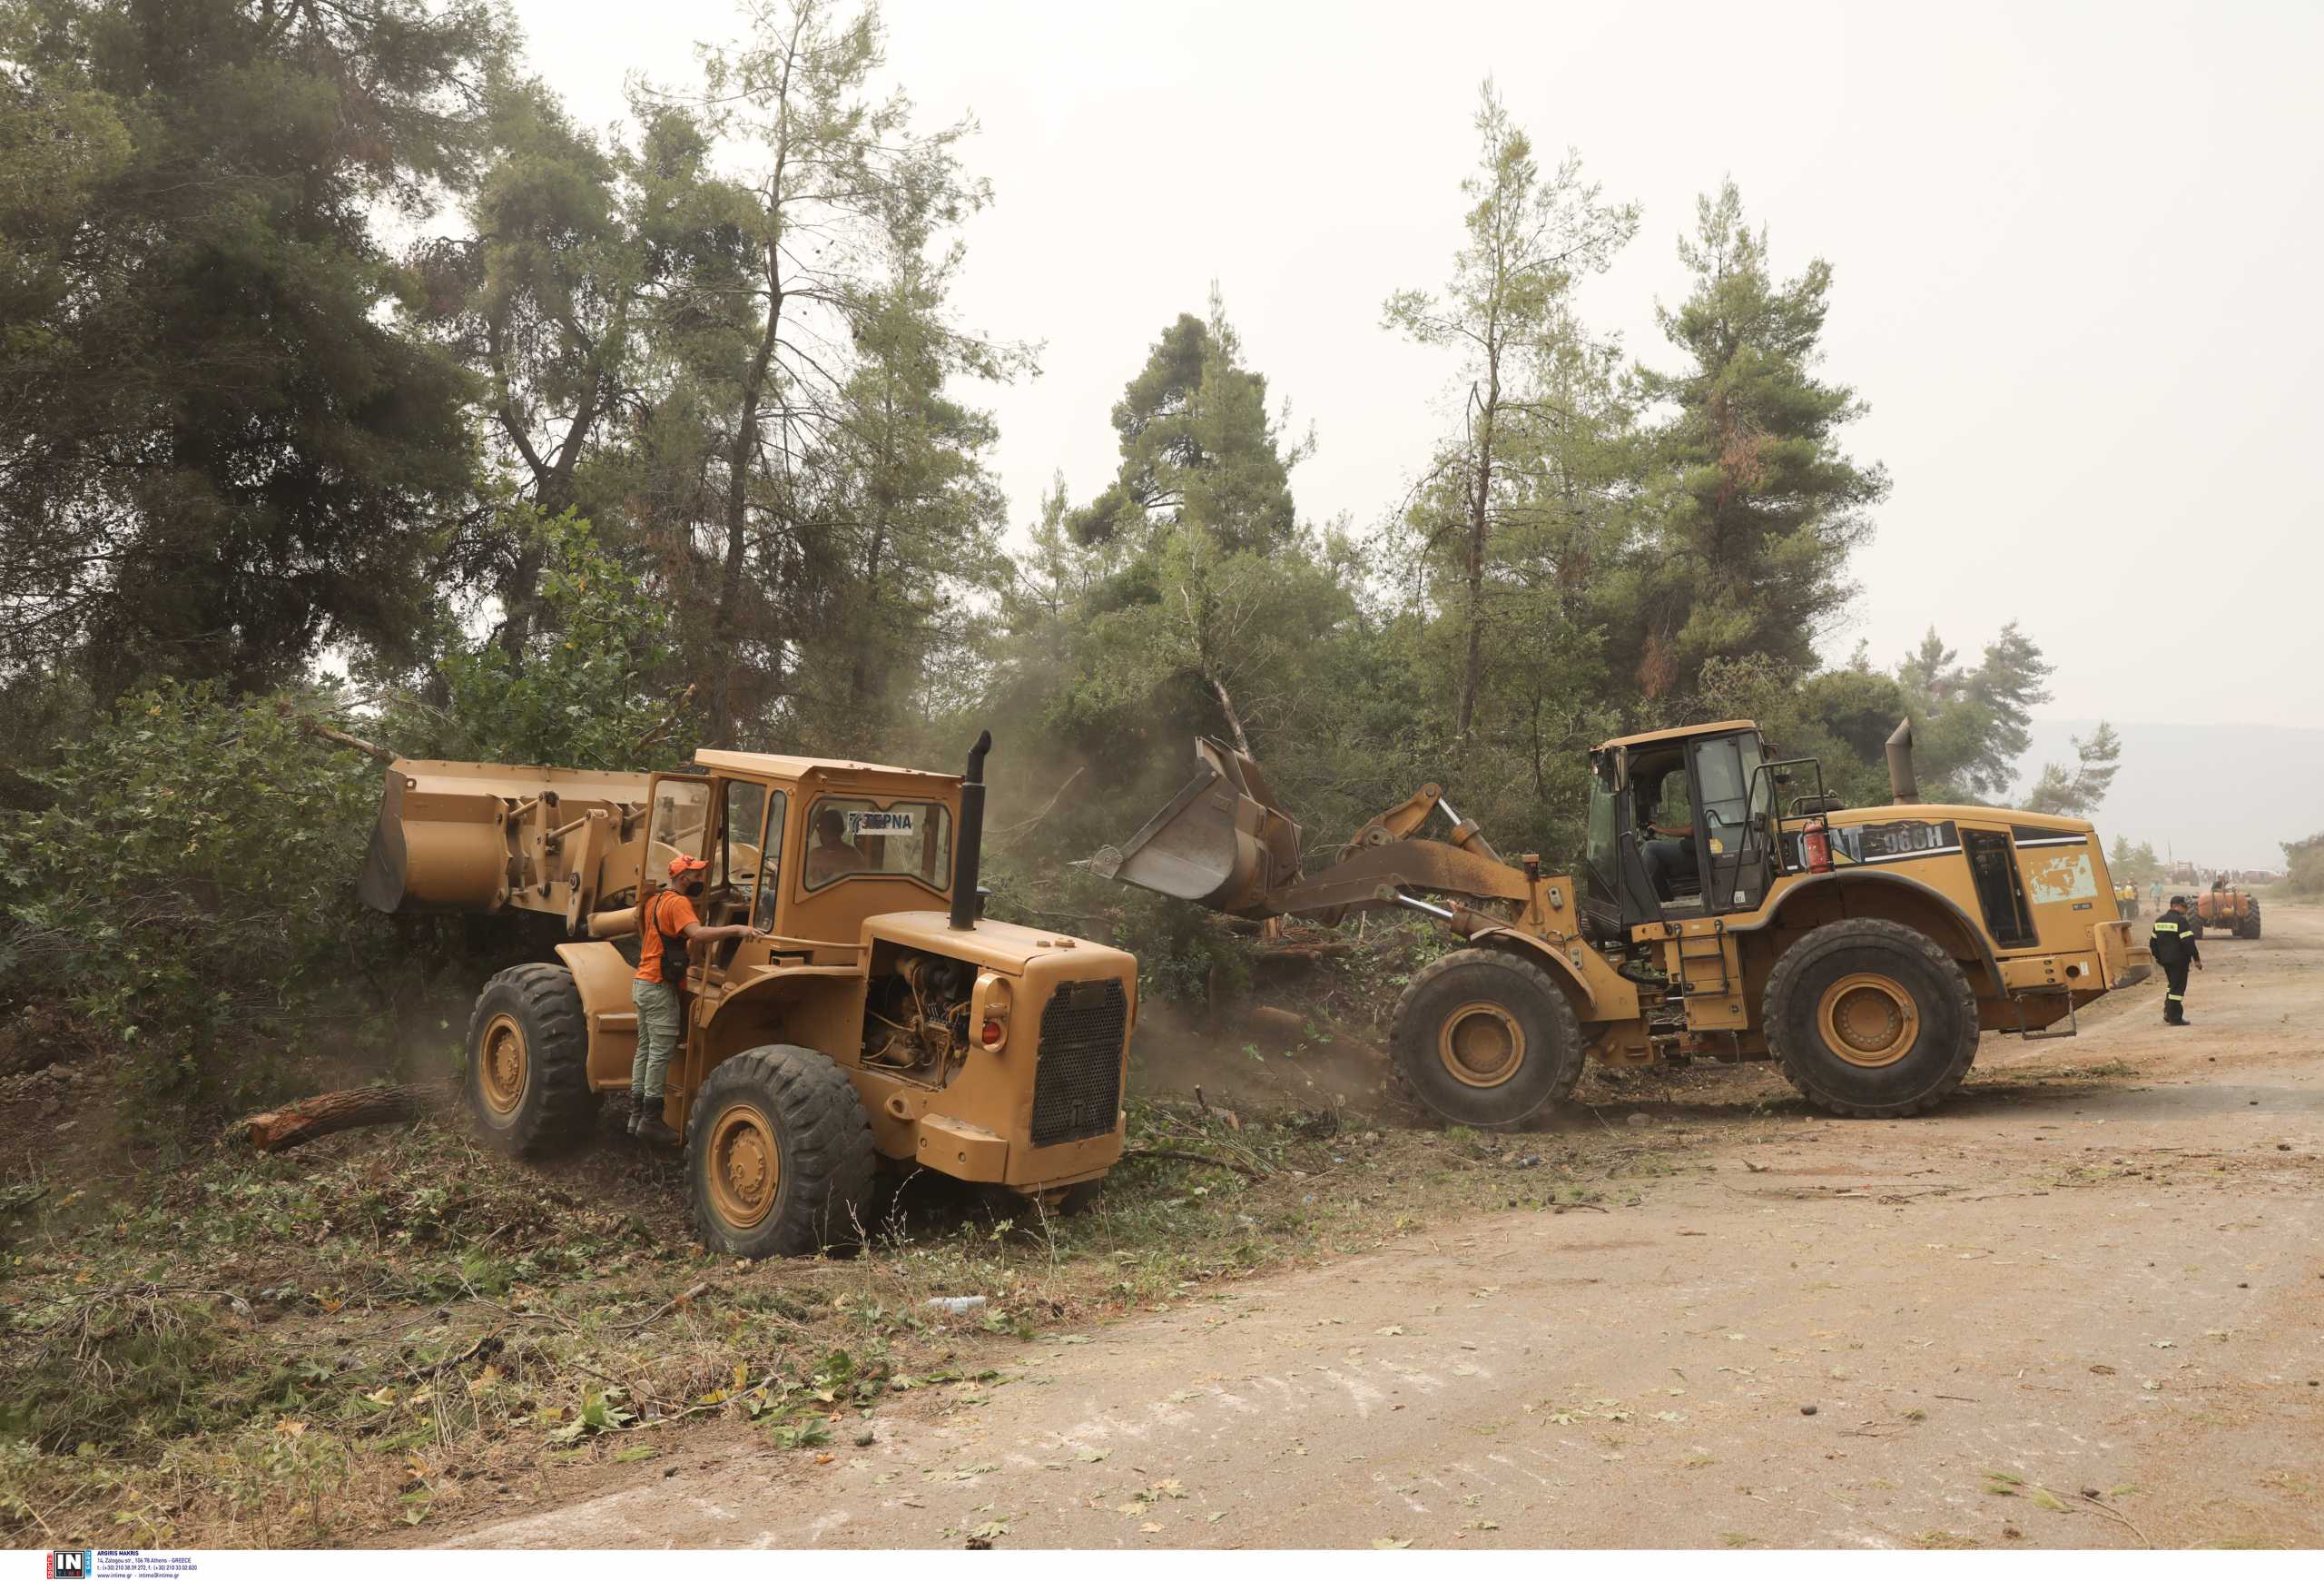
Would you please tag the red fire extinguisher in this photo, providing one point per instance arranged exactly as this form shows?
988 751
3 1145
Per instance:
1816 847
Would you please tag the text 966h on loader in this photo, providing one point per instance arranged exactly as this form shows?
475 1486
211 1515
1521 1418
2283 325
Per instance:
881 1018
1863 949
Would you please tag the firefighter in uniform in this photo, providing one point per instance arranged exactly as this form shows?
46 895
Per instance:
2175 950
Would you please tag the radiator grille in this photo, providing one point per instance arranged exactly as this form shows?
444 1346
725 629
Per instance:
1078 1084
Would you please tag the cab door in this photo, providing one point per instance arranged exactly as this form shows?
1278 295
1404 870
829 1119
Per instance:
677 824
1616 894
1730 831
745 857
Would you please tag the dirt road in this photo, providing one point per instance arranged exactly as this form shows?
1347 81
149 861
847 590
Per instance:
2098 1270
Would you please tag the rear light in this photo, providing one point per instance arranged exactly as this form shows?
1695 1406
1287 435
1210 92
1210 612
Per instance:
992 1035
1815 848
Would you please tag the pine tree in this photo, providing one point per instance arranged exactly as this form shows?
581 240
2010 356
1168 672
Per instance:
220 448
2077 792
1198 448
1755 506
546 298
787 291
1529 237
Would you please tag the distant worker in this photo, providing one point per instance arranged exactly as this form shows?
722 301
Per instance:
2157 896
666 923
2174 947
832 856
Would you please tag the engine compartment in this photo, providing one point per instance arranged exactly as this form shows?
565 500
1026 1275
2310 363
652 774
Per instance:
916 1016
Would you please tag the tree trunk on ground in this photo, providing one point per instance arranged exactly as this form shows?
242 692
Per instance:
278 1129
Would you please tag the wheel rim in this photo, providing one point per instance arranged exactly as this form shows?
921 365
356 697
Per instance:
744 1165
1869 1020
1480 1045
501 1064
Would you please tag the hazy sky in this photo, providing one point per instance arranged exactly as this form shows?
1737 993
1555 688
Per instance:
2075 252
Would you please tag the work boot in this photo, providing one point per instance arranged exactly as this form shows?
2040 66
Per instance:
648 1126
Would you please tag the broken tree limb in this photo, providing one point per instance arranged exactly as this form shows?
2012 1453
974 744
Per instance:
293 1124
687 1297
669 719
1047 807
323 732
1194 1158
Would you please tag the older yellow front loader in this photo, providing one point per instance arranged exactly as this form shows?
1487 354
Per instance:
884 1018
1862 949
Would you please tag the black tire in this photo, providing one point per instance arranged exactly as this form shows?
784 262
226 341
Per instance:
2195 927
2250 927
1503 1020
527 1079
824 1161
1079 1198
1939 1037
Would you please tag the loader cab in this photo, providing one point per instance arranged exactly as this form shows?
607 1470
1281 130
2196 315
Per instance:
804 849
1678 827
841 843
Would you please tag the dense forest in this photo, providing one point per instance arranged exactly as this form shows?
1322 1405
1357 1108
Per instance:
352 392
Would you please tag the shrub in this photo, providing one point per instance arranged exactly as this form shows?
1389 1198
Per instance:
191 886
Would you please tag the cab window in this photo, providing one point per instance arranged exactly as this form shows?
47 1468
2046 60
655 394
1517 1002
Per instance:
858 837
750 847
681 808
1600 850
1725 769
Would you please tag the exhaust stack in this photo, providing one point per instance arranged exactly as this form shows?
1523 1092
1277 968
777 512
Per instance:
1904 788
968 854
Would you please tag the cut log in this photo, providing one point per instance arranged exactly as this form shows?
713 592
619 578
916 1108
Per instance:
294 1123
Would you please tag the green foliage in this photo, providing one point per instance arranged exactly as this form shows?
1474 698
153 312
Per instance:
191 886
796 465
1531 462
2077 792
2304 864
1198 448
221 453
1971 725
591 684
2133 864
1754 506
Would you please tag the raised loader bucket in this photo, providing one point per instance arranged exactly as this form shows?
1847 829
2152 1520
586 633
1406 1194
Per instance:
1222 842
482 836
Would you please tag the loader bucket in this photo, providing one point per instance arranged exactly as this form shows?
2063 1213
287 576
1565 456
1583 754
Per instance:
457 836
1222 842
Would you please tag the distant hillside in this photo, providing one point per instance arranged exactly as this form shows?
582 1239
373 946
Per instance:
2225 795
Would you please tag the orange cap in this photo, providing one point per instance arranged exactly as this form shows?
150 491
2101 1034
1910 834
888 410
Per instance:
686 864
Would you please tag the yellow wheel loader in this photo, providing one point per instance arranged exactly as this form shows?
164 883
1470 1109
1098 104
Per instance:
882 1020
1862 949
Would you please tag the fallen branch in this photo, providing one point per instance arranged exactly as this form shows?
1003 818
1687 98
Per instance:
693 1292
485 1342
676 710
323 732
2092 1502
278 1129
1046 809
1194 1158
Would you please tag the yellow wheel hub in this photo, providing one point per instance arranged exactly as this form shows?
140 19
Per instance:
1868 1020
501 1063
1481 1043
744 1164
